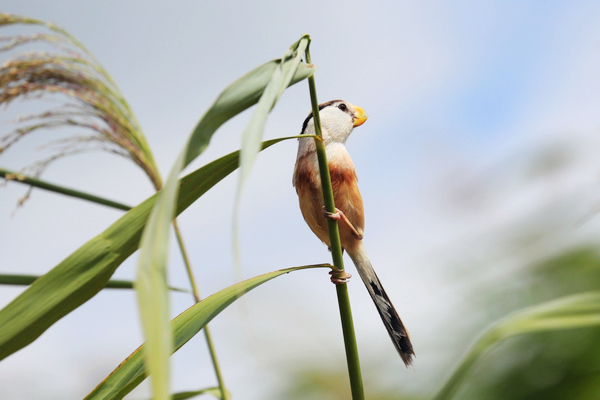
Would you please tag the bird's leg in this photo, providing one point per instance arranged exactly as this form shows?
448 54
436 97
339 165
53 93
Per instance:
339 276
339 216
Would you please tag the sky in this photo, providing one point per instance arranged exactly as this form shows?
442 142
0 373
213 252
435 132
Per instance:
483 128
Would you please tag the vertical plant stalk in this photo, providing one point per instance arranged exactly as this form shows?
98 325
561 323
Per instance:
355 375
197 298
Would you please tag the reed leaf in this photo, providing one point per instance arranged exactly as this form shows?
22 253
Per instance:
33 182
85 272
280 80
26 280
132 371
252 135
151 282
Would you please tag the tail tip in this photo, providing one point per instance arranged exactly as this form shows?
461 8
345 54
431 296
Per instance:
406 351
407 357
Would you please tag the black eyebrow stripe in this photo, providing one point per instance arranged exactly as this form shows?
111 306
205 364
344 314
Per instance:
310 115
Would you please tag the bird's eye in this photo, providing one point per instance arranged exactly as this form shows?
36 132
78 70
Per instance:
342 107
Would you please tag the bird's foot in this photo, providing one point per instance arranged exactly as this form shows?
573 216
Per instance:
339 276
339 216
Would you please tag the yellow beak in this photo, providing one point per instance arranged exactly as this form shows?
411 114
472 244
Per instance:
360 116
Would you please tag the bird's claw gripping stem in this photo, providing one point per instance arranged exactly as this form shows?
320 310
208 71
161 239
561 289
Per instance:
339 276
339 216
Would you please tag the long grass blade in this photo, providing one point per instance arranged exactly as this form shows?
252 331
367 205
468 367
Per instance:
240 95
27 180
132 371
26 280
151 285
281 78
85 272
570 312
151 272
252 135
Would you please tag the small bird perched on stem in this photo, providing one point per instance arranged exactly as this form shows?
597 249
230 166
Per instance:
338 119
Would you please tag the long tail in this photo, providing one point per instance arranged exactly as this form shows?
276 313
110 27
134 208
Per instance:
386 309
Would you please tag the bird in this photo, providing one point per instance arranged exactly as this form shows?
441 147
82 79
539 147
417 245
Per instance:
338 120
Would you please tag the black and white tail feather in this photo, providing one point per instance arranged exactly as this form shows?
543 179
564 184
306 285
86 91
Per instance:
384 306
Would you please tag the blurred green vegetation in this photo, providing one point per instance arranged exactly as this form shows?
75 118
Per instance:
551 365
319 384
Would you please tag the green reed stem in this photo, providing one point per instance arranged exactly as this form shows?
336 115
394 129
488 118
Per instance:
355 375
197 298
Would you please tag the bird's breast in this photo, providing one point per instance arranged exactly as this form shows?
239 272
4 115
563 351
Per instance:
345 190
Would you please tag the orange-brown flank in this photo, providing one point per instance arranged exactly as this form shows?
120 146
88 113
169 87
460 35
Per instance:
346 196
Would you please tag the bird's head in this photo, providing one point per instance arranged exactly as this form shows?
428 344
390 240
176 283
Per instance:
338 119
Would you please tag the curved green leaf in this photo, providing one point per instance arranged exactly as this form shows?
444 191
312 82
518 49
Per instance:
281 79
132 371
151 282
85 272
240 95
570 312
252 136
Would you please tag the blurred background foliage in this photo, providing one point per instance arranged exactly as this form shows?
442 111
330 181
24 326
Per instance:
553 365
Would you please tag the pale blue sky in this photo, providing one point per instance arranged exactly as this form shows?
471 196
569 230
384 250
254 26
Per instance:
452 91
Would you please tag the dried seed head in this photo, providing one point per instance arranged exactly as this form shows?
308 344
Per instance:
93 102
